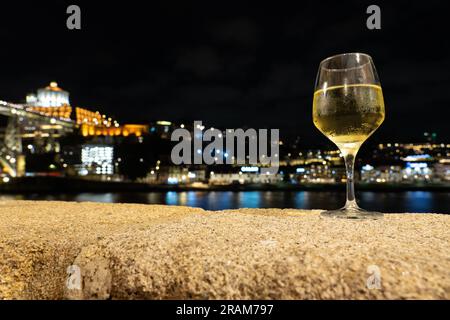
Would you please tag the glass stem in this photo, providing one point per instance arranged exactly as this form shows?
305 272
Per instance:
349 166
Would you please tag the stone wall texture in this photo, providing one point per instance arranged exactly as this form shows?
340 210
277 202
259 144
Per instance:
128 251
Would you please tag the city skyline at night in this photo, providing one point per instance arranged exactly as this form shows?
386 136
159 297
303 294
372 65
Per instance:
101 103
93 150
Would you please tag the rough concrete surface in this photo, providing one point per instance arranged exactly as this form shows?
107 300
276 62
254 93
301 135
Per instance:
127 251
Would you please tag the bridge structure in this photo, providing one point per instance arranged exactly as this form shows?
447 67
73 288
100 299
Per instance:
25 122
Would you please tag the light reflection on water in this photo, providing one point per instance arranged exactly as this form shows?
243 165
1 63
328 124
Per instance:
411 201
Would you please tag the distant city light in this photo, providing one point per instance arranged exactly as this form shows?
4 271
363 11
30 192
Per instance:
393 162
417 157
98 157
417 165
50 96
172 180
191 175
164 123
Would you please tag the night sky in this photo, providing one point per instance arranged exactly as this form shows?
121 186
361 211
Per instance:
231 65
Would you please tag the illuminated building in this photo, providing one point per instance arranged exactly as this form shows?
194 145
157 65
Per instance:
243 178
134 129
96 160
330 157
415 168
382 174
50 96
318 172
174 175
116 130
315 166
180 175
96 124
387 152
442 171
417 171
50 101
62 112
88 117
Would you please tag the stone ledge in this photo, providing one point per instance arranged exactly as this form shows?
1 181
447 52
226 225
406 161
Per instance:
127 251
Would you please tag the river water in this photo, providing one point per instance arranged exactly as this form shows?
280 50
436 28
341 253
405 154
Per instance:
408 201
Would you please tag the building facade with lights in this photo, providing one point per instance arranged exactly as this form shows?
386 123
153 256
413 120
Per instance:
96 160
50 96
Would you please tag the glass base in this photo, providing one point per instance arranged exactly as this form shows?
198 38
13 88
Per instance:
351 213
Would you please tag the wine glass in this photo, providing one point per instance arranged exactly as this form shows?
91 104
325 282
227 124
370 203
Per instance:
348 107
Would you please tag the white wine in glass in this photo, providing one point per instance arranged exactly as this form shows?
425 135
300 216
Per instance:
348 107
